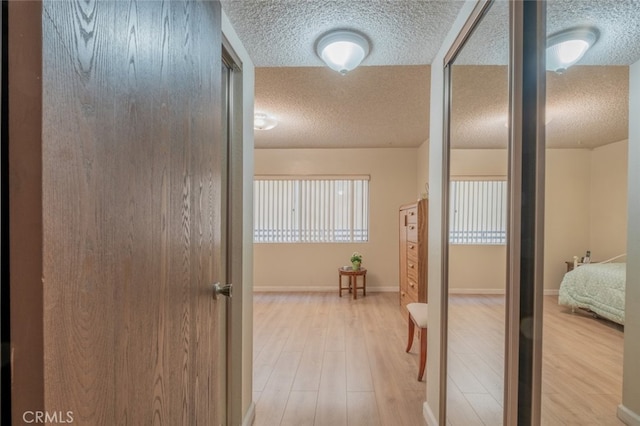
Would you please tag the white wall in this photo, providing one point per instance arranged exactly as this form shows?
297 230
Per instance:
629 410
567 213
314 266
422 164
479 162
608 227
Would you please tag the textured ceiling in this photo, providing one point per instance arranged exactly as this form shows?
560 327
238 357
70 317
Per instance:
283 33
369 107
588 106
617 23
385 102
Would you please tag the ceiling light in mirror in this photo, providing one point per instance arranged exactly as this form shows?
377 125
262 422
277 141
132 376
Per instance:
342 50
263 122
566 48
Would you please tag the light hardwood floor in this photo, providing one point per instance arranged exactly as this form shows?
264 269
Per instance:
581 369
324 360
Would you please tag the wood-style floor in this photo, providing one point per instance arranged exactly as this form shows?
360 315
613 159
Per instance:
324 360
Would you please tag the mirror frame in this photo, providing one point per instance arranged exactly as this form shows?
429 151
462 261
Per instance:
525 229
525 251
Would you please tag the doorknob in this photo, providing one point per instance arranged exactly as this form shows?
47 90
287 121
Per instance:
224 290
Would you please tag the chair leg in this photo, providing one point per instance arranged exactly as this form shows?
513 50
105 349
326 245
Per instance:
412 329
423 352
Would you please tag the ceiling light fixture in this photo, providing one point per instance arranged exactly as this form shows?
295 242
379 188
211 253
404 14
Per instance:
567 47
342 50
263 121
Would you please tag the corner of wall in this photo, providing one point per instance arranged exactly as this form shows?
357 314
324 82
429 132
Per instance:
627 416
422 168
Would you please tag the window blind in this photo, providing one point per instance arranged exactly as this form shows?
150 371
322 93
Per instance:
311 209
478 212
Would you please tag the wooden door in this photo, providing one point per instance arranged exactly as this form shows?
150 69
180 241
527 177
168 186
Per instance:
128 196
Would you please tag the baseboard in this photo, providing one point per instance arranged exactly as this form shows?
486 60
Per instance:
250 415
627 416
428 415
384 289
315 289
547 291
476 291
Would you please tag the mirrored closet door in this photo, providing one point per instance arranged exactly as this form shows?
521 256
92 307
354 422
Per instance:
478 138
587 124
492 239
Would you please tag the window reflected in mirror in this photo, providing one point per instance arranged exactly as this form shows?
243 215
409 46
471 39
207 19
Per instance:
479 99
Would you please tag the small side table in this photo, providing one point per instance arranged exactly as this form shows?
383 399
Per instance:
353 280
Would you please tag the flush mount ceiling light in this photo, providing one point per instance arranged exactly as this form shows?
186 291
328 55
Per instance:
263 121
342 50
566 48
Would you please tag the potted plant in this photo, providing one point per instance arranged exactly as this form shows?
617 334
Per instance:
356 260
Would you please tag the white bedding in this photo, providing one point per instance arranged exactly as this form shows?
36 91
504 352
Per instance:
599 287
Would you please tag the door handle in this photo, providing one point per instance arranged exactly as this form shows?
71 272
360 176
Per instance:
222 290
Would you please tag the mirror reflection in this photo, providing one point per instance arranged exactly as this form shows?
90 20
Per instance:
587 120
587 140
477 223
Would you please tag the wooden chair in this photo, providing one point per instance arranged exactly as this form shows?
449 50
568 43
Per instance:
418 317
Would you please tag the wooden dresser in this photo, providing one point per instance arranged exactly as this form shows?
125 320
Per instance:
413 254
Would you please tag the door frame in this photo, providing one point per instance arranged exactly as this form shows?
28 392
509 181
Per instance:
234 230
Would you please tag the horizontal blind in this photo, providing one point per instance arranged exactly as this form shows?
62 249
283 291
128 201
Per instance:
478 212
311 209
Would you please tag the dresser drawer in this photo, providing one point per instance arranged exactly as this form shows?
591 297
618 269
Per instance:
412 215
412 250
412 271
405 299
412 232
413 254
412 289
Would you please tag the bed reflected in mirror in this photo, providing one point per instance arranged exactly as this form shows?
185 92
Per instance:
586 190
587 124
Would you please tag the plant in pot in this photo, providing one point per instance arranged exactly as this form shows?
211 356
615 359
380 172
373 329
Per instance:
356 260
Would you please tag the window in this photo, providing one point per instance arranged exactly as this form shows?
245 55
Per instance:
311 209
478 212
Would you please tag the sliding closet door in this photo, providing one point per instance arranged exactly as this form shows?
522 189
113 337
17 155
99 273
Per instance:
523 228
477 217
